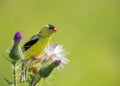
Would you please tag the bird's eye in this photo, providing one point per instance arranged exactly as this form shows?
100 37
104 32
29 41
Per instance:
51 26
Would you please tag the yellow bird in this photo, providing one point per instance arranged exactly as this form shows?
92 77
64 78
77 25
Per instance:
37 44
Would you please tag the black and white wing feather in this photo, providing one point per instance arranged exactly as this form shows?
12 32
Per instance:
30 43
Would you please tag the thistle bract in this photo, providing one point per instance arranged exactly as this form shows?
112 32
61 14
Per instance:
46 71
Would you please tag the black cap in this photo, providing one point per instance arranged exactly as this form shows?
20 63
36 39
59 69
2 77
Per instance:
51 26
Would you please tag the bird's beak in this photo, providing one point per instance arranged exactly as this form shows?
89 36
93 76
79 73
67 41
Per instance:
55 30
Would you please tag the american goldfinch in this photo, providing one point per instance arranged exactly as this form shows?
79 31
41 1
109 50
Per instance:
38 42
36 45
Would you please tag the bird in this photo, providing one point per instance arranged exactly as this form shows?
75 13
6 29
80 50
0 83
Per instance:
36 45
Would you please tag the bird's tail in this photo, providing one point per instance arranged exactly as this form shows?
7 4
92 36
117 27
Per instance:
23 74
24 69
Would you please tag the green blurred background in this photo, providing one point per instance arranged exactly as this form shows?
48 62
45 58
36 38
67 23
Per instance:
88 29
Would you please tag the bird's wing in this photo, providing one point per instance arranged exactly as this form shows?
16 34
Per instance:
31 42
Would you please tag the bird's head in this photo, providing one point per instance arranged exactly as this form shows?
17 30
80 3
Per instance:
48 30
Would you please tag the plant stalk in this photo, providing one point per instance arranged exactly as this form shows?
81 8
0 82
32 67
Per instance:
35 81
14 74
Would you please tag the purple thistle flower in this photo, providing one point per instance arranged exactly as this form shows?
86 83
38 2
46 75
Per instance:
56 52
17 37
54 46
57 62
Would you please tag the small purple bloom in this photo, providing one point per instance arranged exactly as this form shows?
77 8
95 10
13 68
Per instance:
54 46
57 62
17 37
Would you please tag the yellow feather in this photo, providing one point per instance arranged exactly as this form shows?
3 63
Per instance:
38 47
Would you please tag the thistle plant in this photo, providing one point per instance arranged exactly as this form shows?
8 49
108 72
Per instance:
16 54
39 67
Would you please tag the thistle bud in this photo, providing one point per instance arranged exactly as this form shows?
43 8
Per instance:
46 71
17 37
57 62
16 52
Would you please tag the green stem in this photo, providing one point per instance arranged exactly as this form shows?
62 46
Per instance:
35 81
14 74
